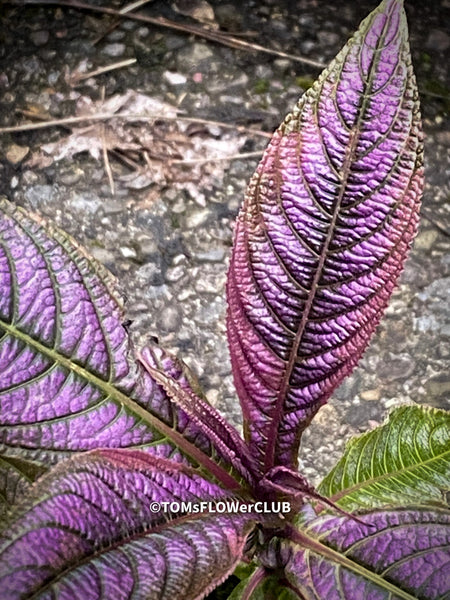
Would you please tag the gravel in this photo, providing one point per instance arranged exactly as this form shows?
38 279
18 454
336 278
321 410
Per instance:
168 240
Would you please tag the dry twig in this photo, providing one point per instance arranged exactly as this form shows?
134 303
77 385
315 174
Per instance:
134 116
123 11
106 162
200 161
214 36
105 69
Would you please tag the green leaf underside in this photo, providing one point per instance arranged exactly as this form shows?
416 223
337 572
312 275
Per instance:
405 461
270 588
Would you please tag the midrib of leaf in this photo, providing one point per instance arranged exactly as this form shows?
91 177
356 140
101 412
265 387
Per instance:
388 475
304 541
385 476
122 399
345 172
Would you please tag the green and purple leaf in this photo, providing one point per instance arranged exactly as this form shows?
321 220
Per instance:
88 531
404 462
69 381
325 228
401 554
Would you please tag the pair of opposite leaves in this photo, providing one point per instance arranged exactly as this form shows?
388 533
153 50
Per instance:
320 241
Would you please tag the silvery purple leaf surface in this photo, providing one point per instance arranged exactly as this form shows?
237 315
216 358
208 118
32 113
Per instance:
401 554
90 530
68 379
169 372
321 239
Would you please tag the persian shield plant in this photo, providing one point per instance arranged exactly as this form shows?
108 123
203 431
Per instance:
98 438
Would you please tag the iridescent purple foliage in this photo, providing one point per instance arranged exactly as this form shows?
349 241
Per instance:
320 242
321 239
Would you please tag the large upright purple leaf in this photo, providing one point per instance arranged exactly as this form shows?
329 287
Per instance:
88 531
321 239
401 554
69 381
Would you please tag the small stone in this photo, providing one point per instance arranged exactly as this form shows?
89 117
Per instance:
71 175
358 415
39 195
175 274
212 396
397 368
128 252
426 323
370 395
438 40
325 415
213 255
307 46
102 255
426 239
328 38
170 319
114 50
15 153
282 65
228 17
439 386
53 77
8 98
264 72
196 218
40 38
85 202
174 42
200 10
147 246
142 32
116 35
206 286
179 259
185 294
112 207
149 274
190 58
437 290
174 78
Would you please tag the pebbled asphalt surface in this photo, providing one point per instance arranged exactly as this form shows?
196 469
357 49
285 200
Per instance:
167 236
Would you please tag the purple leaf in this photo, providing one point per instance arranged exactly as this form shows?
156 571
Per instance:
169 373
88 532
321 239
403 554
68 378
